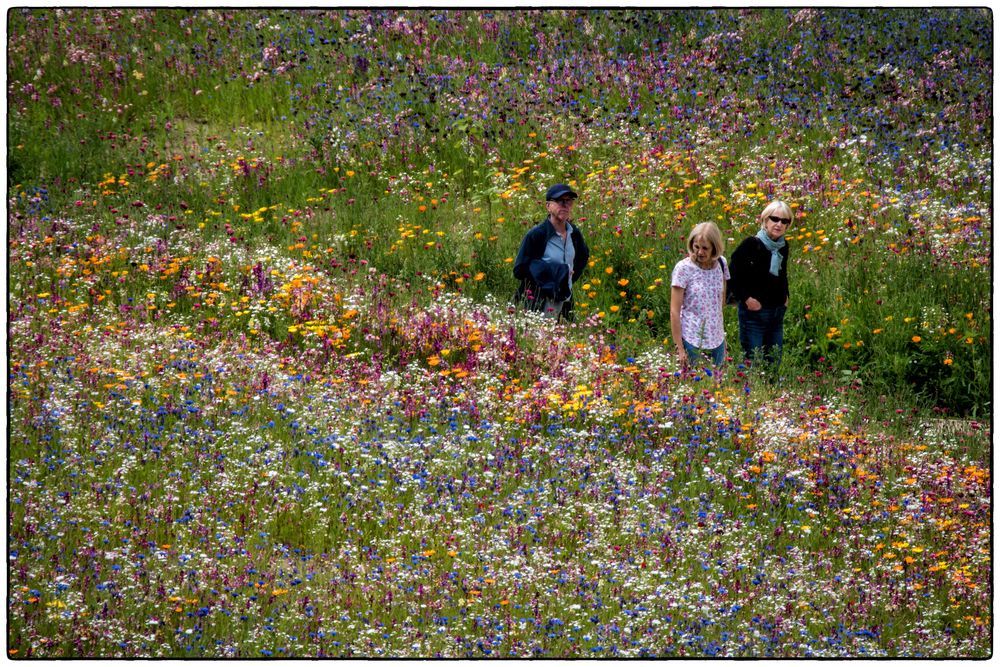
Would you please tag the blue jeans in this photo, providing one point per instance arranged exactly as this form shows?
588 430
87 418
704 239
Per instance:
717 354
762 333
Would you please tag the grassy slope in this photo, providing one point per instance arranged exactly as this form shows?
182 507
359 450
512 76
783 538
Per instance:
264 380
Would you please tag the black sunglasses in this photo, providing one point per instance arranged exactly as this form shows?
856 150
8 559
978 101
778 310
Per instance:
774 218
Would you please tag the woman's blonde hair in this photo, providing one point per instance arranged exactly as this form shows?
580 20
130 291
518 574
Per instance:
710 232
785 209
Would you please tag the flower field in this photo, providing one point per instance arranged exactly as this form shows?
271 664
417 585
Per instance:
267 396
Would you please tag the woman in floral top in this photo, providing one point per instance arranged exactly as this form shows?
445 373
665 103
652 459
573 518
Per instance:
697 295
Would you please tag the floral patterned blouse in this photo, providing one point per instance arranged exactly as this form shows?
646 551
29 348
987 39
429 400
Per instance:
701 311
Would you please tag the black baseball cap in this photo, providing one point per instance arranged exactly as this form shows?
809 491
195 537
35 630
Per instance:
558 191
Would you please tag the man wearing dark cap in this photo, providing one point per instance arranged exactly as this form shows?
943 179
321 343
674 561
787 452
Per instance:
552 257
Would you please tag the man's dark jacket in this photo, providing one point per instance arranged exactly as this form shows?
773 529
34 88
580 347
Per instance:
532 249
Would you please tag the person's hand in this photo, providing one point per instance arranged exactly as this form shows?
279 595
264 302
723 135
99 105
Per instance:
752 303
682 358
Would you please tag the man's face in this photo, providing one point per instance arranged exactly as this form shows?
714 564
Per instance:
560 209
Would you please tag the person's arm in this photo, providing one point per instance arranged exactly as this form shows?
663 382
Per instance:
737 272
522 265
582 255
784 270
740 270
676 300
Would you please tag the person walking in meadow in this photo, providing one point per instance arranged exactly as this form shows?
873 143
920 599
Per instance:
697 295
553 255
760 285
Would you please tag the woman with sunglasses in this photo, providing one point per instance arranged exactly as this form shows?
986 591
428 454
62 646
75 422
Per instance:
759 268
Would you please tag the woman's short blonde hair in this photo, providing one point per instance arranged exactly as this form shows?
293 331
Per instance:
710 232
782 208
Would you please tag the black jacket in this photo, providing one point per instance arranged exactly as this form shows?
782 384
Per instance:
750 274
552 280
533 248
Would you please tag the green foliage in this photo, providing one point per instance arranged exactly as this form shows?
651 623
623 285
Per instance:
259 271
911 322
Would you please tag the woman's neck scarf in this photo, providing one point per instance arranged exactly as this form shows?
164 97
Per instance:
774 247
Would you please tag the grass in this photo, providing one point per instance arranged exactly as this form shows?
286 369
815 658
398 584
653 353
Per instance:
268 397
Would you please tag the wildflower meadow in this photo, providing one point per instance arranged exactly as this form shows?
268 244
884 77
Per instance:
268 395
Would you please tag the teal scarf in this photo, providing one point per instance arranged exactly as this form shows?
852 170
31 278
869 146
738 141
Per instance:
774 247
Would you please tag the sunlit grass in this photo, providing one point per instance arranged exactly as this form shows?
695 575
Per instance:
268 398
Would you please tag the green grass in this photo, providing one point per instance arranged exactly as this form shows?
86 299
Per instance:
268 397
